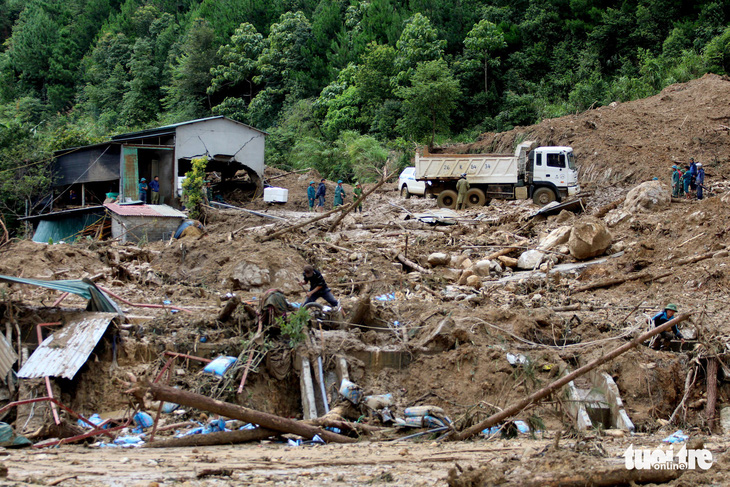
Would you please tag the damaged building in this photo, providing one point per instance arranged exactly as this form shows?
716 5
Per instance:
118 165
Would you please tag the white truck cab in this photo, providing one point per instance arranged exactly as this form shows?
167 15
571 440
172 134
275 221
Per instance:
553 167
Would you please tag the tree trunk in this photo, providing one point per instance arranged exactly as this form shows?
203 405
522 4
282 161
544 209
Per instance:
264 420
218 438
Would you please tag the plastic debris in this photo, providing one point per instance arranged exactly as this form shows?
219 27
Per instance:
169 407
143 420
316 440
521 427
125 441
95 419
386 297
515 359
676 437
9 439
351 391
220 365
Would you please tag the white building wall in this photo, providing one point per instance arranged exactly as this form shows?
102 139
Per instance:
224 137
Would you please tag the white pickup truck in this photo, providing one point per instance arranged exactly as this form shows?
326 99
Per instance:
544 174
407 184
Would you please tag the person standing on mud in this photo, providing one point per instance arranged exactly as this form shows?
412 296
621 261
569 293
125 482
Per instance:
680 170
675 181
339 194
462 186
311 195
321 191
659 319
356 194
693 173
700 180
317 287
687 178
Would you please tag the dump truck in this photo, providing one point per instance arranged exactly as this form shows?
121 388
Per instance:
544 174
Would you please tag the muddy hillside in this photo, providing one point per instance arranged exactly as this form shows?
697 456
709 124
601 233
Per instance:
458 314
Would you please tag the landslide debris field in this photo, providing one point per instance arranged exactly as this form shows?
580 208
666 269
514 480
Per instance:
469 317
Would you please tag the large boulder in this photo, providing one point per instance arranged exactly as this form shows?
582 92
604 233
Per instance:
557 237
648 196
439 258
482 268
530 259
248 275
588 238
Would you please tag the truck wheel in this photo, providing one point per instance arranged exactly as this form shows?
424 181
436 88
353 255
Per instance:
543 196
404 192
446 199
475 197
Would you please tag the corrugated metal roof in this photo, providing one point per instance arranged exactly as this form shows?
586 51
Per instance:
56 215
155 211
168 211
67 350
170 129
7 357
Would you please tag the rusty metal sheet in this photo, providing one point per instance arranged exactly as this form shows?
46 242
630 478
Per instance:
154 211
64 352
7 357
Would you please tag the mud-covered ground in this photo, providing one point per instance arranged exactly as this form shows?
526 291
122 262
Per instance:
425 333
368 463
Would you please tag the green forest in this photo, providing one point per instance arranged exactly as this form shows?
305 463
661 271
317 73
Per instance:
340 85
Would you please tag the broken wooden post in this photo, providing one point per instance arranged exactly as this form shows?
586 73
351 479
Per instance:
217 438
341 369
549 389
711 392
309 404
228 410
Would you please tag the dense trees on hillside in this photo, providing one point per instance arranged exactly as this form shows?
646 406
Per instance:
337 83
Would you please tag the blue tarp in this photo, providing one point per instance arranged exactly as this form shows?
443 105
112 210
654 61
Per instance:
67 229
98 300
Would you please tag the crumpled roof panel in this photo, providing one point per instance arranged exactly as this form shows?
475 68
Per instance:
64 352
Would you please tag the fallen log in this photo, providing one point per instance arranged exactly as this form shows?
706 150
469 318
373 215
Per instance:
217 438
413 265
549 389
615 281
228 410
695 258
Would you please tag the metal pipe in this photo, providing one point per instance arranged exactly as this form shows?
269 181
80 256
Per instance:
49 389
140 305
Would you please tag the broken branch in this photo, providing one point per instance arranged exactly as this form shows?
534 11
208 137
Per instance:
549 389
644 276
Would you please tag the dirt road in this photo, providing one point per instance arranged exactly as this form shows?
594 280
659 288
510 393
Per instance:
394 463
